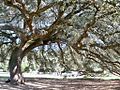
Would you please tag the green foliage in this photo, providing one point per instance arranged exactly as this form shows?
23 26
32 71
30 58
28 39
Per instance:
81 34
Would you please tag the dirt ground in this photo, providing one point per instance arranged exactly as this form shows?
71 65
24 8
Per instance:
54 84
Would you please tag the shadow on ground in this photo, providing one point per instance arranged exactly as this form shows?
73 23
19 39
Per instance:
54 84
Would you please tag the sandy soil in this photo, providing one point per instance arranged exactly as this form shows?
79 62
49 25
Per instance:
54 84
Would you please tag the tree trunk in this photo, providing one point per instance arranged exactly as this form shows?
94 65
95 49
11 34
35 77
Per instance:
15 67
16 59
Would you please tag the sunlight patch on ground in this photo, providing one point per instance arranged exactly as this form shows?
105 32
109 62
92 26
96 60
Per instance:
55 76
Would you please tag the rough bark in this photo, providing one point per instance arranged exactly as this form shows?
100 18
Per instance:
15 67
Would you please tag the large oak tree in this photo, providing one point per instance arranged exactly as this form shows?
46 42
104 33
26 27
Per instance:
89 27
